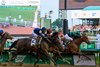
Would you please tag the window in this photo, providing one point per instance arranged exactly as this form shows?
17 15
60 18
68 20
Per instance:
90 21
80 0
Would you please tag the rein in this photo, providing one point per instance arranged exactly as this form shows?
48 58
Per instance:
2 37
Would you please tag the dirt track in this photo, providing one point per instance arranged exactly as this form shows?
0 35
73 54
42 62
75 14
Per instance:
45 65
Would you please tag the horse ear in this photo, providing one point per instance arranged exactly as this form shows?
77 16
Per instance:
7 33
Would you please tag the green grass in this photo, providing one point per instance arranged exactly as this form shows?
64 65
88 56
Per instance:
27 12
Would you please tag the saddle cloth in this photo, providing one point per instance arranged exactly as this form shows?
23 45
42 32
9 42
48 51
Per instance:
33 42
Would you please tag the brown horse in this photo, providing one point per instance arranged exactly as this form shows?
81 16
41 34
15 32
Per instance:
73 47
3 40
24 46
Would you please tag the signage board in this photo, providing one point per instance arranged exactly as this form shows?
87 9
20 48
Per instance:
84 61
85 14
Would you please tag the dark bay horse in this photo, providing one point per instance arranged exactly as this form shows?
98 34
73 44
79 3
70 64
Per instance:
3 40
24 45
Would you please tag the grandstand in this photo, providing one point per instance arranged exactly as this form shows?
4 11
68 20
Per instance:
17 15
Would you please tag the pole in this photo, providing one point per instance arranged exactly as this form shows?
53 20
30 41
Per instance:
50 16
40 22
50 23
65 5
65 21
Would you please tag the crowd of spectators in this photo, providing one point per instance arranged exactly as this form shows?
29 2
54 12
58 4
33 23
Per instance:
82 27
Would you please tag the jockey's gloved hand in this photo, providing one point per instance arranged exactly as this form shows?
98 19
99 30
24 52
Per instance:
40 31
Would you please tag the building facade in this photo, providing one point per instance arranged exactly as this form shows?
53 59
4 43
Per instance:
82 7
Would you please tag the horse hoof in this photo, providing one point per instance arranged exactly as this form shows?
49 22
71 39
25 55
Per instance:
0 64
19 64
36 65
57 66
10 63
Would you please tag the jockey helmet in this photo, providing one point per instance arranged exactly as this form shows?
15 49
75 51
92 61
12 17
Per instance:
1 32
43 28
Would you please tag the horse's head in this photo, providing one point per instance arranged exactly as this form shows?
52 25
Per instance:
58 40
85 38
6 35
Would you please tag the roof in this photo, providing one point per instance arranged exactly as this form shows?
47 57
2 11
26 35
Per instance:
74 4
92 8
16 30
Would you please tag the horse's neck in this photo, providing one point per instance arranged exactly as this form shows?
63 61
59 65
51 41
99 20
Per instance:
3 41
78 41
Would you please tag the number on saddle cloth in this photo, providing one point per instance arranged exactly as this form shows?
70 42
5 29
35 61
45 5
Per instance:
33 42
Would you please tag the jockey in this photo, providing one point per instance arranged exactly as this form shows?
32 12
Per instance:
1 33
38 32
43 31
68 37
74 34
65 38
35 34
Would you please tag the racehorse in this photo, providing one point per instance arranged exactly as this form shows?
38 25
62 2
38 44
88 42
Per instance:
73 47
3 40
24 46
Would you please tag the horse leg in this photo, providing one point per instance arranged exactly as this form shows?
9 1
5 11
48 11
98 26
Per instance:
35 64
14 54
79 59
20 51
76 52
86 56
81 54
55 57
37 56
49 57
0 57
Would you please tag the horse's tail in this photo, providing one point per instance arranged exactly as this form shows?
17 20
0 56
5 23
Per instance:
13 44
